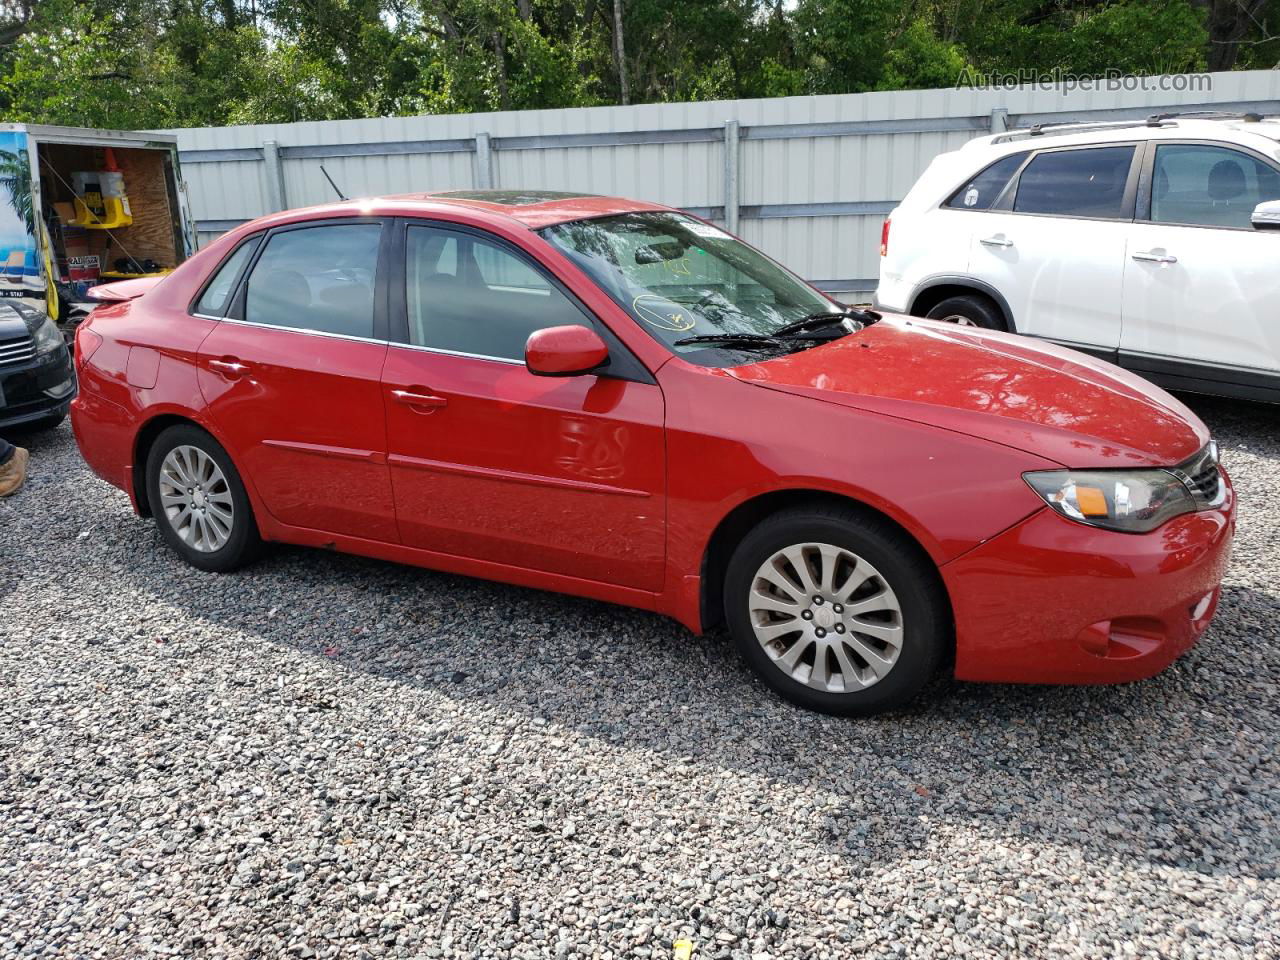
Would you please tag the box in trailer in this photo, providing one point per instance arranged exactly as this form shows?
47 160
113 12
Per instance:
80 206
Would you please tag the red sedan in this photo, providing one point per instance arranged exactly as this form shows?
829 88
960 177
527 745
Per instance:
618 400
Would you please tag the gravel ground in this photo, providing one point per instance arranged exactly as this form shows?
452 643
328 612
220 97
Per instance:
325 756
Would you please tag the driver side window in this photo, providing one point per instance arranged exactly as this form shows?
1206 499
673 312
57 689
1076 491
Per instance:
1209 186
468 295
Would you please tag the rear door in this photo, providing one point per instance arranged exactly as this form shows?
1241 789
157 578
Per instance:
292 377
1055 244
1202 285
565 475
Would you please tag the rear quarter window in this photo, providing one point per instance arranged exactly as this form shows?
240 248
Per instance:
981 192
213 302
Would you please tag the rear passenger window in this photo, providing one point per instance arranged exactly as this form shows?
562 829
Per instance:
317 278
1076 183
213 302
981 192
468 295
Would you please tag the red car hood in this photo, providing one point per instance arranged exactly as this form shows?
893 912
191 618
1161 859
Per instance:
1047 400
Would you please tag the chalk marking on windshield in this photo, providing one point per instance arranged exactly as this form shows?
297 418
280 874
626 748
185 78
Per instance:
661 317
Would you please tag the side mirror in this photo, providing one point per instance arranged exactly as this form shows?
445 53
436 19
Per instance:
1266 216
564 351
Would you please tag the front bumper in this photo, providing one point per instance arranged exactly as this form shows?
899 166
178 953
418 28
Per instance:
36 390
1053 601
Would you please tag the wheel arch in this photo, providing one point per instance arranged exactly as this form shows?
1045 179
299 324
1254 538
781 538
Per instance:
936 289
735 525
145 439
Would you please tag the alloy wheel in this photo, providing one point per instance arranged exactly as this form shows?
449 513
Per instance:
826 617
196 498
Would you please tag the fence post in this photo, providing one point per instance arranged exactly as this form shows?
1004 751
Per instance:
276 199
731 175
484 162
999 119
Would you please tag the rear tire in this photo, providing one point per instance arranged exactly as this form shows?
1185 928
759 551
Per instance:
869 604
969 310
199 502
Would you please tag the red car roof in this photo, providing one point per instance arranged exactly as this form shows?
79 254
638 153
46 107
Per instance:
535 208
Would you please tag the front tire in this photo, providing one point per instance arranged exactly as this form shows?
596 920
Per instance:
836 610
968 310
199 501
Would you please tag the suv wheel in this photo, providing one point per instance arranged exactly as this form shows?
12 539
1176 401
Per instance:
968 311
198 500
836 610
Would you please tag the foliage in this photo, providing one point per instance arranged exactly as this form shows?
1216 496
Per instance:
163 63
15 181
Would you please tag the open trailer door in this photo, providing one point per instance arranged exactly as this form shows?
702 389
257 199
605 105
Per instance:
109 205
25 250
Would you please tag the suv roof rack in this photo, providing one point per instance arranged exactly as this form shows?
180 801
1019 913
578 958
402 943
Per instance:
1061 128
1156 119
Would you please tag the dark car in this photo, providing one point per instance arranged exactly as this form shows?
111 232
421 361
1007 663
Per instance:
37 381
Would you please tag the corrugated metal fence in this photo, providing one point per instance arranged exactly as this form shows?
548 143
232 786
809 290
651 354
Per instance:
807 179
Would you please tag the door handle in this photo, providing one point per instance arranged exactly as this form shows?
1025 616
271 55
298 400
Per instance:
411 399
231 368
1151 257
996 241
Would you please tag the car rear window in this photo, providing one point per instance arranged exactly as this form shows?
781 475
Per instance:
981 192
1076 183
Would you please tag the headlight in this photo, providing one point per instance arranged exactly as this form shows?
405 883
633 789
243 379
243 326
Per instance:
47 337
1131 501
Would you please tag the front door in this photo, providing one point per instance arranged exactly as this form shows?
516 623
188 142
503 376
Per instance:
1057 250
292 377
1201 285
488 461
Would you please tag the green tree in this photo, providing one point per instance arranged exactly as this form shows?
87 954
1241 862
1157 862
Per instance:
15 179
158 63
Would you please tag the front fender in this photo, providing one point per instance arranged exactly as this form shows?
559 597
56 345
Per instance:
729 442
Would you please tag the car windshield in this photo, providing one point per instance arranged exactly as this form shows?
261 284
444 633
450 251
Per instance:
682 278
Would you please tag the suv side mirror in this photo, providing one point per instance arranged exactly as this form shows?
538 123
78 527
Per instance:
564 351
1266 216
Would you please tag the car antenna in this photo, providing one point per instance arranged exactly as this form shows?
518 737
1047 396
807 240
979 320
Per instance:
341 195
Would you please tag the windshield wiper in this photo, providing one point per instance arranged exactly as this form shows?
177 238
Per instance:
817 321
741 339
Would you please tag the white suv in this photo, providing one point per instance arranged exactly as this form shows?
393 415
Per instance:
1155 245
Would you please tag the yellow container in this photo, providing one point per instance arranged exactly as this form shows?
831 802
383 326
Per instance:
96 212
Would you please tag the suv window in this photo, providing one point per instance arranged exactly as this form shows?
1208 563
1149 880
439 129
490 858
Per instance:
317 278
1209 186
981 192
468 295
213 302
1076 183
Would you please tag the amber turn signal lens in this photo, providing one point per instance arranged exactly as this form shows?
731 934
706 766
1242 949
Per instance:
1091 501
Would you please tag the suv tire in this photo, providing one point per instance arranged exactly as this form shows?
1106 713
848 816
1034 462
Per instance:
970 310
